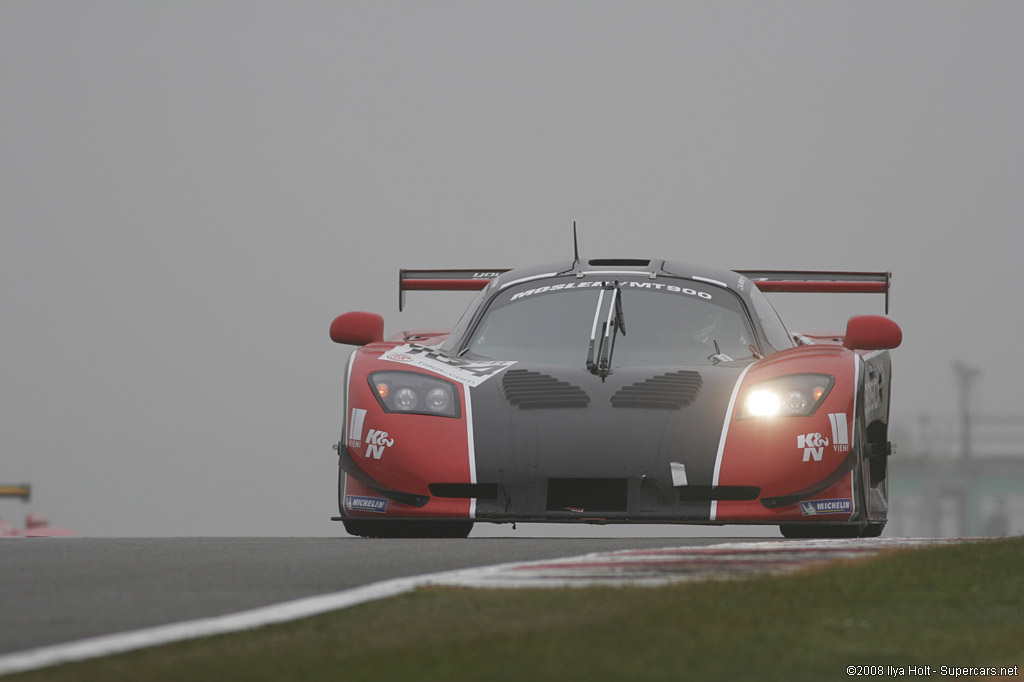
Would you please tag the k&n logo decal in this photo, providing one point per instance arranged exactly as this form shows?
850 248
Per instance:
813 445
377 442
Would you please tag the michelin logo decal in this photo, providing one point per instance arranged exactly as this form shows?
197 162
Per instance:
376 505
817 507
471 373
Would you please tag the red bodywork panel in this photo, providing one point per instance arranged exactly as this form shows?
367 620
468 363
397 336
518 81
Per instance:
400 463
781 454
35 525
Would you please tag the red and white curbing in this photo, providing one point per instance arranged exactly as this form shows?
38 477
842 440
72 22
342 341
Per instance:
656 567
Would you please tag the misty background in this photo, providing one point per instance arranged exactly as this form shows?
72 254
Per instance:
191 191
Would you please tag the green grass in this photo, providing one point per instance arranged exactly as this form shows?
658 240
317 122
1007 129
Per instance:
949 605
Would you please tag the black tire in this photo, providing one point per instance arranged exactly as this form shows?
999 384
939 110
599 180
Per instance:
872 530
388 528
818 531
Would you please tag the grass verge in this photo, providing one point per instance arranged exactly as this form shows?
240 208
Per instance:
960 605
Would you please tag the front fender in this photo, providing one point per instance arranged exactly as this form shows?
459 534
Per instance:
793 458
400 454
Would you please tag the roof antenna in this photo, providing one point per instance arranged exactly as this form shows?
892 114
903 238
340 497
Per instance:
575 246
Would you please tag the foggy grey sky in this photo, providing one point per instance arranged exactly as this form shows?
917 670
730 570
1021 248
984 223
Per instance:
191 191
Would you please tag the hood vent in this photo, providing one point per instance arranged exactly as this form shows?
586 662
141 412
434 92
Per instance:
531 390
668 391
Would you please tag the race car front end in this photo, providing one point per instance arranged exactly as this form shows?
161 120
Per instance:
540 406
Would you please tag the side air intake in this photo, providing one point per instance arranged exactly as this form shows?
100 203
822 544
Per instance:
668 391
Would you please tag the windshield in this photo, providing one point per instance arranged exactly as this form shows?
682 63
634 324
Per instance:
666 322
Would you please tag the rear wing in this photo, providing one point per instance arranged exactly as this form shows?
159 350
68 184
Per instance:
791 281
821 282
443 280
23 491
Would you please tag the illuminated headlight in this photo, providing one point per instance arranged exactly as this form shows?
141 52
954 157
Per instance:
795 395
414 393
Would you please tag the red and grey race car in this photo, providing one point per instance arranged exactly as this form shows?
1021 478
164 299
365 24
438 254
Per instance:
617 391
35 526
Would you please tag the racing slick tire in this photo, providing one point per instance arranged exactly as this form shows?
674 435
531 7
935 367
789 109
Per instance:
873 530
817 531
821 531
387 528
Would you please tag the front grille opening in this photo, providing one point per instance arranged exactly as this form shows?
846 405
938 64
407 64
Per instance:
587 494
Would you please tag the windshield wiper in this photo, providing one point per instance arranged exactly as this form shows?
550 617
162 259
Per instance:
718 356
610 328
591 365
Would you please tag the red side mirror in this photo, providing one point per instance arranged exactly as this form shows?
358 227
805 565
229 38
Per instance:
357 329
872 332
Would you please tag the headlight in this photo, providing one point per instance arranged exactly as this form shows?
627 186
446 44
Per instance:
795 395
414 393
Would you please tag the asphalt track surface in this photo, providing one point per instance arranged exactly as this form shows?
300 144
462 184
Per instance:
58 590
